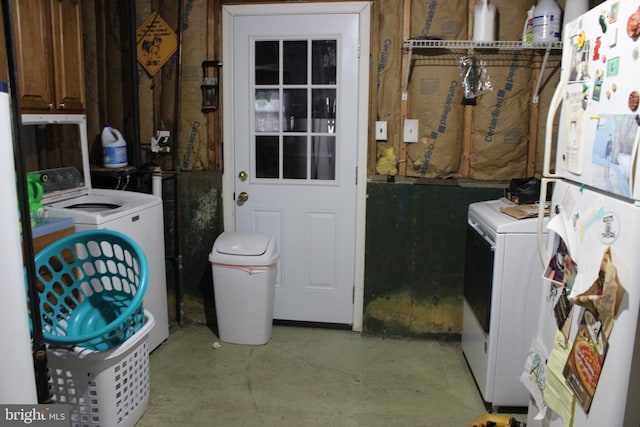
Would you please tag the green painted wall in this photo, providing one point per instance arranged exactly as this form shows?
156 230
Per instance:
415 243
200 194
414 253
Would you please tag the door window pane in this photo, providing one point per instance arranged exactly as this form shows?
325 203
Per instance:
295 102
323 62
267 110
294 157
294 62
323 157
295 110
324 110
267 157
267 62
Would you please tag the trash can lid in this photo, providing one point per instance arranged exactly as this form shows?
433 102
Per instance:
244 248
242 243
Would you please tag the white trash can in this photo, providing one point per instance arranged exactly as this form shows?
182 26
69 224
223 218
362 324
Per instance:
244 277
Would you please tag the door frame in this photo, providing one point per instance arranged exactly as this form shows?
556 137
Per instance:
363 9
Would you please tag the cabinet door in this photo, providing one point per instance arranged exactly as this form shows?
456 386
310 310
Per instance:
4 72
68 54
33 54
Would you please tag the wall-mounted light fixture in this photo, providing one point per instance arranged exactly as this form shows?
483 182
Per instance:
210 85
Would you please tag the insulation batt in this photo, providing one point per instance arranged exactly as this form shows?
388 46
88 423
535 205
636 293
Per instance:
386 164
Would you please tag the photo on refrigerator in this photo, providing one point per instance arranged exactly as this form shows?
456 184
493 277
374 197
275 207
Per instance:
585 360
561 268
614 140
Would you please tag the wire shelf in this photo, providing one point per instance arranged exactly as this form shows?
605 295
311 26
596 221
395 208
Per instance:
450 46
470 44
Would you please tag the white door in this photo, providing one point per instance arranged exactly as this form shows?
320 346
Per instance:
295 149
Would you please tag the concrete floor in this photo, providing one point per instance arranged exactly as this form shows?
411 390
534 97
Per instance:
309 377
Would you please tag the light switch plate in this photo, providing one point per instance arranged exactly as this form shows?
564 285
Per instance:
411 130
381 131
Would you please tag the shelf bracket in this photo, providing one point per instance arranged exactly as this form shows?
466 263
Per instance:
544 65
407 72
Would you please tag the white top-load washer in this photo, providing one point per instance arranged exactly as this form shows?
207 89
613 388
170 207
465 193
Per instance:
57 148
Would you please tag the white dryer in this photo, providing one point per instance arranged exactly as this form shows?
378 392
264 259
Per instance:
501 279
60 142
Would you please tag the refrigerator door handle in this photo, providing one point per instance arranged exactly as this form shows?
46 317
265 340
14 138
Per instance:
542 248
556 100
548 176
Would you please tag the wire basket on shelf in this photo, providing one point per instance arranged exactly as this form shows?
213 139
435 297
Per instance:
91 285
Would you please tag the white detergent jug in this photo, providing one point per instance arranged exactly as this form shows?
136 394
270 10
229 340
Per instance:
547 21
527 31
484 21
114 148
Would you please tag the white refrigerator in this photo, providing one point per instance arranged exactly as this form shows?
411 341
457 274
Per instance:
584 365
16 361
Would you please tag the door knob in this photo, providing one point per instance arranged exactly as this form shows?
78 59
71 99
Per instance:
243 176
243 197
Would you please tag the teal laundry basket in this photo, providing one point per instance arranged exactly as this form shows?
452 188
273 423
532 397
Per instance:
91 285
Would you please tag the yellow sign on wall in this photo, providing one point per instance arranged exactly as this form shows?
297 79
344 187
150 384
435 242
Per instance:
156 42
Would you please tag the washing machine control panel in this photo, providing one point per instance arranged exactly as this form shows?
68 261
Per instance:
59 179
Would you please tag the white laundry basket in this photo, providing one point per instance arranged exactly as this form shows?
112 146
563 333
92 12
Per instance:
244 266
103 388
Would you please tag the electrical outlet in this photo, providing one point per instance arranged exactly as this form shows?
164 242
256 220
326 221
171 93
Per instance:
411 130
161 143
381 131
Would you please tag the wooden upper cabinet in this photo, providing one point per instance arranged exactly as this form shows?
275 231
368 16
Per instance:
68 54
49 53
4 72
32 40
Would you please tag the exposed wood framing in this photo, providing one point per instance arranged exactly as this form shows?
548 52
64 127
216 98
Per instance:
533 140
465 159
373 93
533 134
404 105
533 119
214 36
101 53
156 94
